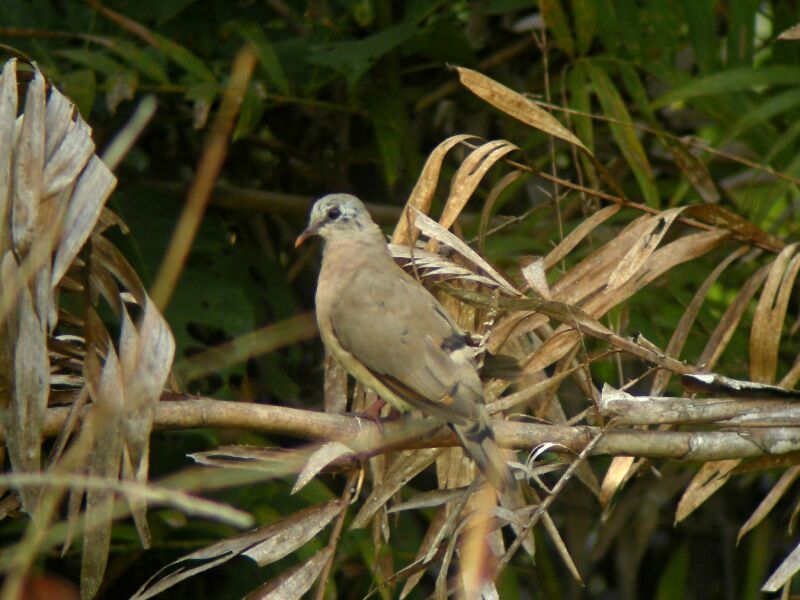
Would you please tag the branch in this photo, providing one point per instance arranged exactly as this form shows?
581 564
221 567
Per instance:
358 432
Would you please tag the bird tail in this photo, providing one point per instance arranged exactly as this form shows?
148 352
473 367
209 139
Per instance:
478 441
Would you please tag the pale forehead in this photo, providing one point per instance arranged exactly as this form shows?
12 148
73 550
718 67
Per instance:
344 202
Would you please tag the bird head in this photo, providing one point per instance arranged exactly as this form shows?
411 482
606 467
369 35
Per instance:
336 214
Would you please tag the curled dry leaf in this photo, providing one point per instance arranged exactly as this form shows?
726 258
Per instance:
321 458
264 545
407 465
295 582
469 175
777 492
711 477
793 33
433 230
785 571
768 321
430 264
422 194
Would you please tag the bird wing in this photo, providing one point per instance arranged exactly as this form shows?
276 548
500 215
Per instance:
393 326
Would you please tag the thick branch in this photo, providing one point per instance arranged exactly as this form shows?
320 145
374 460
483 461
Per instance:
313 425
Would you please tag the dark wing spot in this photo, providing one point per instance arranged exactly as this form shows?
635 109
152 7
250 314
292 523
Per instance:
452 343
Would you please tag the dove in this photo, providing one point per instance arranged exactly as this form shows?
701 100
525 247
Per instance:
393 335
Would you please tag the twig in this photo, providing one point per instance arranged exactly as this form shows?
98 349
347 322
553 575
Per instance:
352 430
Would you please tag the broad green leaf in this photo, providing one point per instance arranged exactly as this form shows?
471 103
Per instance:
636 90
254 34
777 105
578 87
584 14
732 80
701 20
674 576
741 31
97 61
140 60
630 26
354 58
184 58
81 87
250 111
557 22
387 113
625 135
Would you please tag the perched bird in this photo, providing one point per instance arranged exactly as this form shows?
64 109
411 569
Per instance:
392 335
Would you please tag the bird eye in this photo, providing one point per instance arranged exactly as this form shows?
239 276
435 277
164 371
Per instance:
334 213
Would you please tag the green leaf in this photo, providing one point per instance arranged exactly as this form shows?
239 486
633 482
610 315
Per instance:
584 13
636 90
354 58
701 20
624 134
390 122
251 110
99 62
184 58
765 110
140 60
266 53
81 87
674 577
630 26
557 23
741 31
732 80
578 87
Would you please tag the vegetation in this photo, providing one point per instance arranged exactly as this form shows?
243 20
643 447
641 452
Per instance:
606 190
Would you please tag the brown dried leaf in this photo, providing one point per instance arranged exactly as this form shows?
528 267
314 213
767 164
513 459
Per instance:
26 376
321 458
68 145
28 165
516 105
422 194
724 330
793 33
146 353
770 500
615 478
8 117
335 385
536 278
577 235
644 247
431 534
106 390
91 191
405 467
688 317
276 540
469 175
429 264
433 230
295 582
765 336
741 228
694 170
785 571
292 532
711 476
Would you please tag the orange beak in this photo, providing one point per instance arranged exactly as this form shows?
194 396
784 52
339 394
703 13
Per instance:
309 232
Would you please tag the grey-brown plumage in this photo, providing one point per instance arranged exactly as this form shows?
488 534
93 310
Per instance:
392 335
